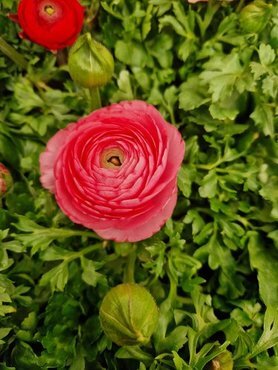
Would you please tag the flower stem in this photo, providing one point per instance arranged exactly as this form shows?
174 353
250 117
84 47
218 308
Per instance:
10 52
84 251
130 267
62 57
95 100
240 6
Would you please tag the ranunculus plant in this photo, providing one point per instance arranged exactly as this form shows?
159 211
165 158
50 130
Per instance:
53 24
115 171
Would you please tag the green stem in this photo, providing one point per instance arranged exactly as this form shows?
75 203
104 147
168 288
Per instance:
67 233
209 166
130 267
95 100
240 6
84 251
92 14
80 254
10 52
173 286
184 300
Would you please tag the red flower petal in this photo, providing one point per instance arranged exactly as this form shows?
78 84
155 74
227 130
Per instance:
54 28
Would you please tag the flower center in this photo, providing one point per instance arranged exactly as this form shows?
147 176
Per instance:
49 9
115 160
112 158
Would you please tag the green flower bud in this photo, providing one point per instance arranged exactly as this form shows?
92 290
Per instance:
254 17
128 315
222 362
90 63
6 180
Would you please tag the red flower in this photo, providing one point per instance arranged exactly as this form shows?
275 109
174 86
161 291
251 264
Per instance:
6 180
53 24
115 171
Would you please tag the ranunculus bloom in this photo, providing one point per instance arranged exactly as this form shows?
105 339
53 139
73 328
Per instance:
115 171
6 180
53 24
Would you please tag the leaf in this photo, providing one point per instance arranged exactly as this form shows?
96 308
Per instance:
146 26
156 262
263 116
131 53
180 364
55 254
26 97
4 367
266 54
172 21
9 148
25 358
3 333
30 321
269 191
78 362
193 94
175 340
208 188
222 75
258 70
194 218
270 86
40 238
56 277
90 275
125 89
186 176
269 338
61 324
265 261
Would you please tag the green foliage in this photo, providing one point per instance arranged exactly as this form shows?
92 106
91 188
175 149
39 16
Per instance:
213 268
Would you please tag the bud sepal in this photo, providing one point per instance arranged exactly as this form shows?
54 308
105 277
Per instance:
129 315
90 63
254 17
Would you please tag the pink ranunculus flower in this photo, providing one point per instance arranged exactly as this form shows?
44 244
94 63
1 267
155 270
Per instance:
115 171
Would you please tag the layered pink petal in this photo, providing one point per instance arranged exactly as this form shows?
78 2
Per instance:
126 201
49 156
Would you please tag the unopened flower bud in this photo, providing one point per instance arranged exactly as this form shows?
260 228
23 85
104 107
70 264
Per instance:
254 17
128 315
6 181
90 63
224 361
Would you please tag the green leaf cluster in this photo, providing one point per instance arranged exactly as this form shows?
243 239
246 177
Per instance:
213 267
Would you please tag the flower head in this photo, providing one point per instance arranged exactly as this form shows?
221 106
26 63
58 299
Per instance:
53 24
115 170
6 181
